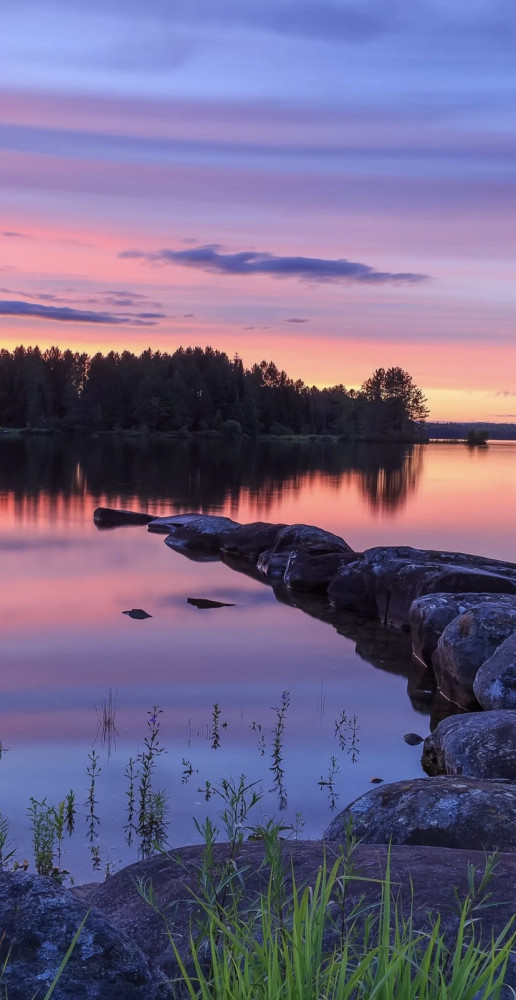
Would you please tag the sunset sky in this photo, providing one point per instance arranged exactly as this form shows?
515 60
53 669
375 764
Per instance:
327 183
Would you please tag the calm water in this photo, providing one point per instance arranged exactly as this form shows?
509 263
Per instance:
65 642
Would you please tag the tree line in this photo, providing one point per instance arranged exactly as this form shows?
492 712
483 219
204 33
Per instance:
197 390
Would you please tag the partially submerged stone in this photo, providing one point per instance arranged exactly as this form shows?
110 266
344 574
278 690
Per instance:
249 540
39 920
204 603
472 813
478 745
299 538
466 643
392 577
198 533
429 615
495 683
313 571
109 517
137 613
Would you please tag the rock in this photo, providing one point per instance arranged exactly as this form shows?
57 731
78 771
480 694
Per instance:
478 745
198 533
137 613
203 603
413 739
297 538
466 643
429 616
457 812
394 576
164 525
108 517
495 683
313 571
424 880
39 920
249 540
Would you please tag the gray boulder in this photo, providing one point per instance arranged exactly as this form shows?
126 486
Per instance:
294 538
198 533
249 540
478 745
164 525
466 643
470 813
39 920
425 880
429 616
394 576
313 571
495 683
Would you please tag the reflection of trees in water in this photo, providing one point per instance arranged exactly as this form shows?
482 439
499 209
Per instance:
200 474
392 473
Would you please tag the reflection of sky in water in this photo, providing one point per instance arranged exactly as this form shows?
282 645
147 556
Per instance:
65 642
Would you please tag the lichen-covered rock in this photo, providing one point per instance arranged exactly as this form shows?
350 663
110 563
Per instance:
249 540
108 517
477 745
39 920
441 812
394 576
429 615
495 683
198 533
466 643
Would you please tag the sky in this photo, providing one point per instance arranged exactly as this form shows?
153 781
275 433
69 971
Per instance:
330 184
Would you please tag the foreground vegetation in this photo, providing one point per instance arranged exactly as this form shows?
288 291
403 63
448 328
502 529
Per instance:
197 390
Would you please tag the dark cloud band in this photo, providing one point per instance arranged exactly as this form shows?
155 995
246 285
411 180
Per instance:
249 262
66 314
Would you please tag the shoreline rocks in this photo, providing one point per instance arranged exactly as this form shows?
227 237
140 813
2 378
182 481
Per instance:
476 745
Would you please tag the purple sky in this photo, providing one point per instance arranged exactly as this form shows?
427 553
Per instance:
330 184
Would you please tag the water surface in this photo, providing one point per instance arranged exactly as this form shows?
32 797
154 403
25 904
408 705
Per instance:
66 643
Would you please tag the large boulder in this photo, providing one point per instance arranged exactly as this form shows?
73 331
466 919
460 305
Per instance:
394 576
466 643
495 683
198 533
478 745
294 538
39 920
425 880
472 813
313 571
109 517
429 615
249 540
169 522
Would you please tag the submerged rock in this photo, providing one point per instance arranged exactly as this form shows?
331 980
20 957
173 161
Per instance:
466 643
413 739
108 517
137 613
478 745
495 683
39 920
471 813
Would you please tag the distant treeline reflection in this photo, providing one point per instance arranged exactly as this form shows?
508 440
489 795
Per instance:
200 474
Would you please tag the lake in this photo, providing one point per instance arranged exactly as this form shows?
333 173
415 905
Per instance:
67 647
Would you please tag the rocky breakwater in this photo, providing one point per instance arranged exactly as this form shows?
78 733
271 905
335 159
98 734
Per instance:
461 612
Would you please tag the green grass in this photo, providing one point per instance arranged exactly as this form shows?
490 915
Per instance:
307 952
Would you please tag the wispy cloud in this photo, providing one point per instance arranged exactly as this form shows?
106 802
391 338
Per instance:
505 392
297 319
249 262
66 314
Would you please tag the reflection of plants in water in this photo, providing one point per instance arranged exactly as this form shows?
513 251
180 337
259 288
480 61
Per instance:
389 473
346 731
277 750
106 721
